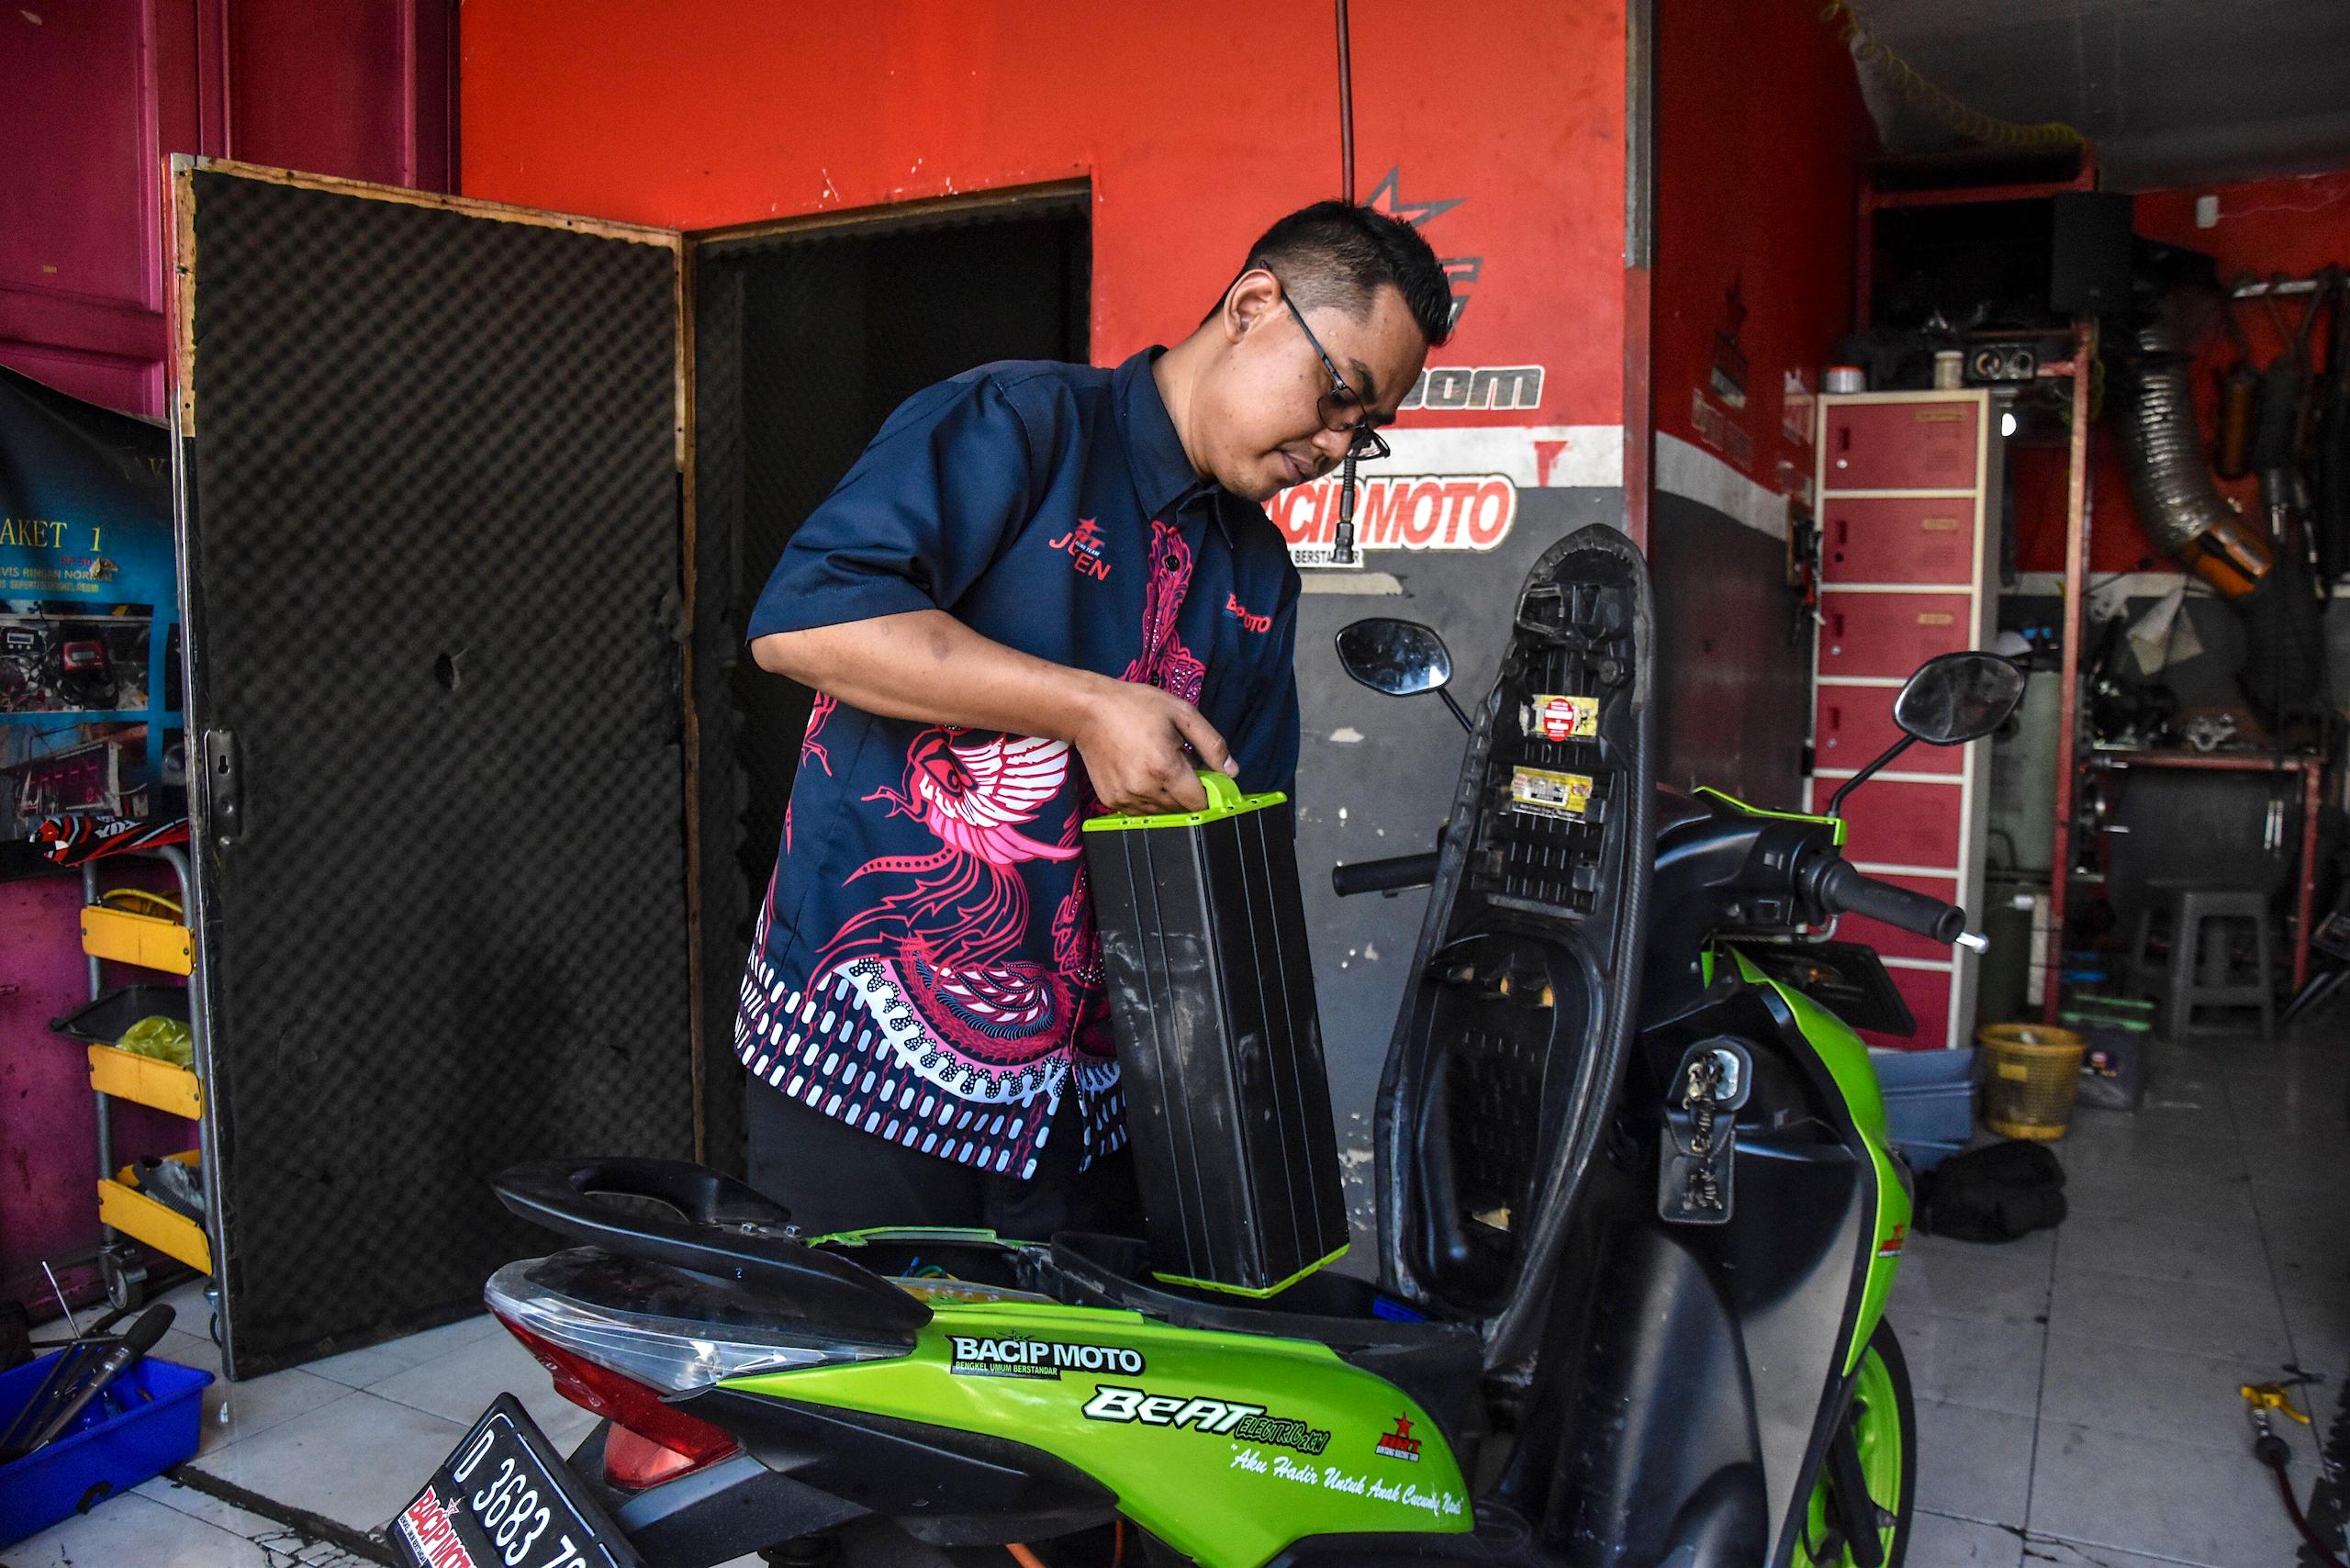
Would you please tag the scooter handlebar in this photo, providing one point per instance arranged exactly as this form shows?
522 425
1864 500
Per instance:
1391 875
1842 890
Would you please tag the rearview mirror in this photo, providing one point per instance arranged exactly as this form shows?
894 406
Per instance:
1958 698
1398 657
1952 699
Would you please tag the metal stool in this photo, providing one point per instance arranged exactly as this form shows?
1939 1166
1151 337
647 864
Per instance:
2199 969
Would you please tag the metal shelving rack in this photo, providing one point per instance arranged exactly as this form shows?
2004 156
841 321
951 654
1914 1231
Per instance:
125 1211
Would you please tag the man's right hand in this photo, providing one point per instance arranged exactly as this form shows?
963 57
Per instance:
1132 741
927 666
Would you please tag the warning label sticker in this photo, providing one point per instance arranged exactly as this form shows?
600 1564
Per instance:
1538 791
1561 718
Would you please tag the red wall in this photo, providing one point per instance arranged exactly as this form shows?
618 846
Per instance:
97 93
1761 132
1198 124
2293 226
100 92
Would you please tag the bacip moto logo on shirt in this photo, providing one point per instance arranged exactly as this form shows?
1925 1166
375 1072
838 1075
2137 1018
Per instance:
1085 545
1250 621
1045 1358
1218 1418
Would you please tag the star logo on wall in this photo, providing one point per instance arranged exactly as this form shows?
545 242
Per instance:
1387 199
1459 272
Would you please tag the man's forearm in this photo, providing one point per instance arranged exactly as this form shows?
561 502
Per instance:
927 666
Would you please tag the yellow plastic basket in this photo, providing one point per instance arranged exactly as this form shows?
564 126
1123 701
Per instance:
2029 1073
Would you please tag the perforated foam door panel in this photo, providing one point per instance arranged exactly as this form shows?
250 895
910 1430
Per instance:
433 562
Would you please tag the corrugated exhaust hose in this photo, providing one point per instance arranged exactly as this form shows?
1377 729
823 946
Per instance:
2181 506
2170 479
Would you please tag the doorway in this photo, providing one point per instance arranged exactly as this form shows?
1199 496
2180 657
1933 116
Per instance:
806 339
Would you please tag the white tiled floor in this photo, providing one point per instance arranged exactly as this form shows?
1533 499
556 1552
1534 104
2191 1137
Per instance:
2076 1390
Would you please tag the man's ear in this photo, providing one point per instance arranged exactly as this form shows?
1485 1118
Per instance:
1255 295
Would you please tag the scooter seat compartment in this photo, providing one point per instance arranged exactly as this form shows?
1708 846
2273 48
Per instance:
1338 1309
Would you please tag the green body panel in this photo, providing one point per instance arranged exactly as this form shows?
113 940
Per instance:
1729 799
1224 799
1224 1499
1832 1040
1256 1292
958 1235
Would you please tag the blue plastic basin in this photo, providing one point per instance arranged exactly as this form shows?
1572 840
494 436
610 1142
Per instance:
149 1420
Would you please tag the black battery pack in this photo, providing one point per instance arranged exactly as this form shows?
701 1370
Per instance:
1219 1043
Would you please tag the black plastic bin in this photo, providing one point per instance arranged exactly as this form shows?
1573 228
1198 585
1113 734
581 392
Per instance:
1219 1043
107 1020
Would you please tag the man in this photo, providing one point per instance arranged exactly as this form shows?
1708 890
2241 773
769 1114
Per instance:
1044 591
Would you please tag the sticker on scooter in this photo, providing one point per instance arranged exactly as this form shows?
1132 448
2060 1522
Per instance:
431 1535
1558 718
1539 792
1045 1358
1242 1423
1398 1443
1112 1403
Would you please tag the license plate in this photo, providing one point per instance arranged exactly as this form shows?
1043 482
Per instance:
504 1498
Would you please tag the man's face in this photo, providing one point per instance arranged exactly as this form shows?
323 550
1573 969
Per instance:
1257 417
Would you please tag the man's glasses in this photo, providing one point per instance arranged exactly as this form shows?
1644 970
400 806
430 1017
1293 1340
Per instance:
1342 407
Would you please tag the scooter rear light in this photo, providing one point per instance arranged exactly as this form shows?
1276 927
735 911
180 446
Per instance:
650 1441
634 1462
659 1327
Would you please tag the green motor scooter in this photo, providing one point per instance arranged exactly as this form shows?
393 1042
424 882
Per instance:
1638 1219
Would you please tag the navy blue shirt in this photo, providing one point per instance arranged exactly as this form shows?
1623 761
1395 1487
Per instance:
925 965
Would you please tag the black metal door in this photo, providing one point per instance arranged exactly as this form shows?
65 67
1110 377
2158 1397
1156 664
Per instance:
433 565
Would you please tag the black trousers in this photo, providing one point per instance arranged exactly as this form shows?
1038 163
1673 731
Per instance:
834 1177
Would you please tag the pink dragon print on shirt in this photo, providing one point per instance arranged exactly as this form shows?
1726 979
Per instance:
923 1023
810 750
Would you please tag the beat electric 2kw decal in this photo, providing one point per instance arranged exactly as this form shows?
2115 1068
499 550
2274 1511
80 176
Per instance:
1038 1358
1223 1417
1249 1426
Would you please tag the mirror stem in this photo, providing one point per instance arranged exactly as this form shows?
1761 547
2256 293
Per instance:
1836 801
1457 713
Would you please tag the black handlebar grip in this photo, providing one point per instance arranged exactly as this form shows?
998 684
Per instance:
1384 876
1849 891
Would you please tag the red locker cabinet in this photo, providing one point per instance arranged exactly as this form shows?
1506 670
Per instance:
1909 520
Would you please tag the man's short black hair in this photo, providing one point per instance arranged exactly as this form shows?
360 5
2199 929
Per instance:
1337 254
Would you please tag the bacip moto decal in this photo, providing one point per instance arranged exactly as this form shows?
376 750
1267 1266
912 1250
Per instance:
1047 1358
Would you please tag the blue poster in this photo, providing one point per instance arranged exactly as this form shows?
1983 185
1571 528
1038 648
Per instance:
90 722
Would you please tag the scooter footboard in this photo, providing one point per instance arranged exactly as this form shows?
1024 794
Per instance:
1641 1478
